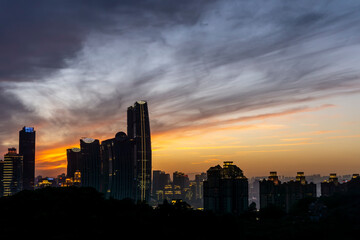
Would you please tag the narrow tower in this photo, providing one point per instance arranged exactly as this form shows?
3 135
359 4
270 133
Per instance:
27 150
139 130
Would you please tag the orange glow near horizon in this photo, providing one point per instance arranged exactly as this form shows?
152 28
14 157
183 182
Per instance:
314 140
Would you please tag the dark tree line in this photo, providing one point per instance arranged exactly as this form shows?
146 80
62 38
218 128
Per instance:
80 213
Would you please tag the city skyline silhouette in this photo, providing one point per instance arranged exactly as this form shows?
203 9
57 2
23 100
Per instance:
157 118
269 86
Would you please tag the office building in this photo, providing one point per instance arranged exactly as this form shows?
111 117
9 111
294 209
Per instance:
118 170
226 189
12 175
1 178
90 163
27 150
160 180
138 126
181 180
199 185
73 161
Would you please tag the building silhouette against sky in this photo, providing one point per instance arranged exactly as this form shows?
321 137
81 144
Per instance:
12 174
27 150
226 189
118 168
91 163
138 126
160 180
333 186
73 161
273 193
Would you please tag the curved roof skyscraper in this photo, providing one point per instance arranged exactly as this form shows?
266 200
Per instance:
138 125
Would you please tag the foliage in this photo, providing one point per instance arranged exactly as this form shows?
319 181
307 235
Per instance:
69 213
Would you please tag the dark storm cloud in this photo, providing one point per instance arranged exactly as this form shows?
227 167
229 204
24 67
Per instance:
37 36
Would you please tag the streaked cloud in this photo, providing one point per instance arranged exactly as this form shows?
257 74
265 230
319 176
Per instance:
346 136
71 68
295 139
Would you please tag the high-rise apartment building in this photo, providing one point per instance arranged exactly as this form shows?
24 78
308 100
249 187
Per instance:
73 161
138 126
117 169
298 189
90 163
333 186
226 189
12 175
284 195
271 193
27 150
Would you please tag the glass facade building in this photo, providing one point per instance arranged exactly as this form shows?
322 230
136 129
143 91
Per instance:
12 175
73 161
90 163
117 169
27 150
138 126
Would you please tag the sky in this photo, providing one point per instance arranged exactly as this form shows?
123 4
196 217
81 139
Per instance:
269 85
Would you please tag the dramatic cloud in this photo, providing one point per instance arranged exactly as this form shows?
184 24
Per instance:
72 67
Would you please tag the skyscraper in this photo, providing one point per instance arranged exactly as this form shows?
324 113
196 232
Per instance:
284 195
73 161
90 163
199 180
12 175
271 193
138 126
226 189
27 150
333 186
117 169
1 178
160 179
180 179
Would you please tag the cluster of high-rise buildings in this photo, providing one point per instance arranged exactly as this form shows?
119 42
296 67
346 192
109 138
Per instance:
17 170
284 195
119 167
180 187
333 185
226 189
